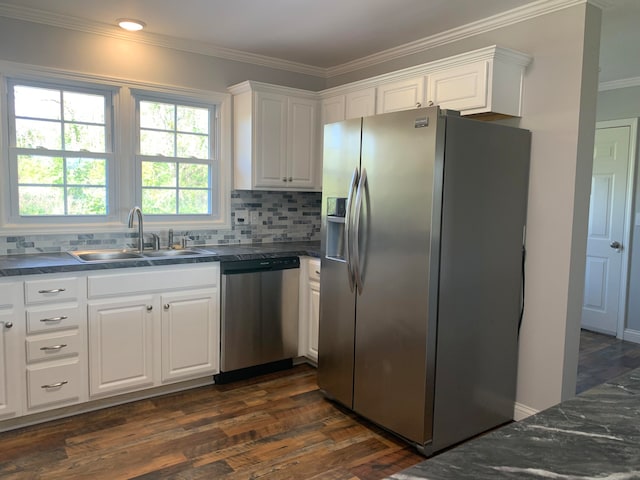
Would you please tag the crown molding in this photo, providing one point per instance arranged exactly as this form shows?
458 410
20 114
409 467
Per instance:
516 15
526 12
616 84
98 28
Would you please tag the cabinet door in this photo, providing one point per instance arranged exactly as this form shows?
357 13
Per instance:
9 365
302 142
460 88
121 345
314 319
270 131
361 103
333 109
190 334
401 95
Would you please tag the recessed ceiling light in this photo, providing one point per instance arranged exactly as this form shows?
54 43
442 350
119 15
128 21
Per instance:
131 24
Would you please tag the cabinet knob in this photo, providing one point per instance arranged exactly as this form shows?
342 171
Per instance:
8 325
166 306
418 104
284 179
291 179
149 308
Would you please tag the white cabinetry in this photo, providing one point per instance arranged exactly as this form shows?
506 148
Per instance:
401 95
190 344
333 109
309 308
276 141
11 361
55 342
360 103
148 326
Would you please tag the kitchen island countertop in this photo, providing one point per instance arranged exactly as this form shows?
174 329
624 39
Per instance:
38 263
594 436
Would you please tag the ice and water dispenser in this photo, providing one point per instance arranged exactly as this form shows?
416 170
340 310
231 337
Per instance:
336 212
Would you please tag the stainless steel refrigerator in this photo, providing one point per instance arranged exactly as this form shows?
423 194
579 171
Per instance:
423 216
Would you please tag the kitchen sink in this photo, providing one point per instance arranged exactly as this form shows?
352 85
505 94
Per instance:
105 255
171 253
115 255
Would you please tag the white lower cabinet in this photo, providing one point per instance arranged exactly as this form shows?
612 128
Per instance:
11 359
121 345
152 326
190 334
309 308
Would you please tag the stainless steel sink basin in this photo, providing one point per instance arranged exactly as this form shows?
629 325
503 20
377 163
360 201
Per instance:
105 255
116 255
171 253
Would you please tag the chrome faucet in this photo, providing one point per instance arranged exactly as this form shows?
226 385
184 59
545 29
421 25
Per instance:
132 212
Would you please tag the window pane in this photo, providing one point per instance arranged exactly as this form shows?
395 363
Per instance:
193 120
41 200
37 133
157 115
84 137
157 202
157 143
86 171
194 202
194 175
192 146
37 102
44 170
158 174
83 107
87 201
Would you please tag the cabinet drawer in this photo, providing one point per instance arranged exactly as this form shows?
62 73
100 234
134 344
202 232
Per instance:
51 385
53 346
51 290
51 319
314 270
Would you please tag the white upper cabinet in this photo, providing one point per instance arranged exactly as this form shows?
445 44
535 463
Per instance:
276 140
361 103
401 95
484 81
333 109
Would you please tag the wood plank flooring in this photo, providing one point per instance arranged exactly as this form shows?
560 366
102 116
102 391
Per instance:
603 358
276 426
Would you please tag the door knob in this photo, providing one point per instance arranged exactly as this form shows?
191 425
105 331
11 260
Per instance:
616 245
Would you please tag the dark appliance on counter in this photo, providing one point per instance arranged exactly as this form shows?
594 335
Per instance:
259 324
421 288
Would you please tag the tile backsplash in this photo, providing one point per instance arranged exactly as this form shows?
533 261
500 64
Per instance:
282 217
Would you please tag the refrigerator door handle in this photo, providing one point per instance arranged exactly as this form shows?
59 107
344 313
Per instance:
362 185
347 228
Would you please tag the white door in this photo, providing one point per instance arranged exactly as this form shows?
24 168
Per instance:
604 292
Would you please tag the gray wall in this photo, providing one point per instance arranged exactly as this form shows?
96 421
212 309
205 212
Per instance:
614 105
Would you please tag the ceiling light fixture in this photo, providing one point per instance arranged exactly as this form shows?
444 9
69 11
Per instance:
131 24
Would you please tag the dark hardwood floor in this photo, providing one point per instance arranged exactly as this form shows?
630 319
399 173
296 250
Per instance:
276 426
603 358
273 427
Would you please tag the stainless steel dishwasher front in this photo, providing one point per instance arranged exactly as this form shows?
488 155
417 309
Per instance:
259 312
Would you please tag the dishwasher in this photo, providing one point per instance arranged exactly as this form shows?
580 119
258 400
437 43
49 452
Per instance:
259 316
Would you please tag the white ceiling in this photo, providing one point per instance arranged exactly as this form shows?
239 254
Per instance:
322 34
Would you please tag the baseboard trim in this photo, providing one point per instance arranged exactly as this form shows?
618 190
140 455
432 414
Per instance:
631 335
521 411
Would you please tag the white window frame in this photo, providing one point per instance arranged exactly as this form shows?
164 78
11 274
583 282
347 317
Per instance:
124 175
213 161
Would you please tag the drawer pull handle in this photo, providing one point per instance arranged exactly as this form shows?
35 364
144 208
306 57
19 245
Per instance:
55 385
54 347
317 272
54 319
53 290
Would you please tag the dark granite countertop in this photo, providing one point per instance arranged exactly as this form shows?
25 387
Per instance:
13 265
595 436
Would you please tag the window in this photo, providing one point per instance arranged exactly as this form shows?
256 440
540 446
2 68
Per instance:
177 157
60 149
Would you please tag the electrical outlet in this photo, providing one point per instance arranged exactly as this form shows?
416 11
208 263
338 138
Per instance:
241 217
254 217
